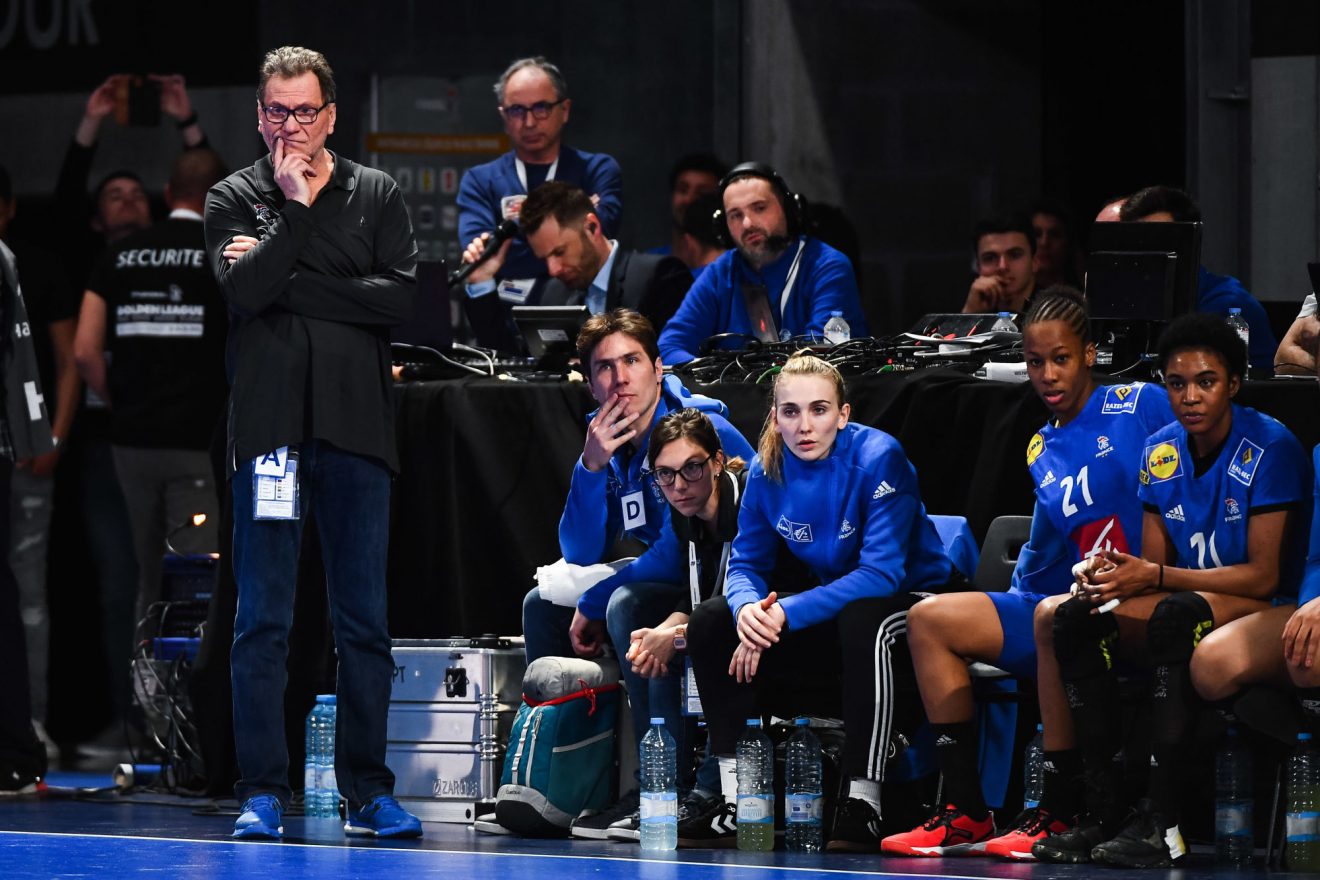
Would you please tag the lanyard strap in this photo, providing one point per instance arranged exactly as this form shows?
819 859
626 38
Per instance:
522 172
694 585
792 277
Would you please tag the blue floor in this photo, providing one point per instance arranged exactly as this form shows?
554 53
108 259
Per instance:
70 834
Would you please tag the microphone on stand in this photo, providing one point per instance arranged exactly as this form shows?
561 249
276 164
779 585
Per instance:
505 231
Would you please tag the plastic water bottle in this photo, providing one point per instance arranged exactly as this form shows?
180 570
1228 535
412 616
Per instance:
837 329
1301 847
756 790
659 804
320 789
1004 324
803 803
1233 802
1033 770
1241 328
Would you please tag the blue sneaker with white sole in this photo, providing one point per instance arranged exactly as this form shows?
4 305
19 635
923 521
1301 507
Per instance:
260 819
382 817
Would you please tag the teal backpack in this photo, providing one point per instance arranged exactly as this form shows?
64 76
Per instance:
560 757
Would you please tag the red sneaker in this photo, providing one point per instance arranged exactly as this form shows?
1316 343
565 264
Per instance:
949 832
1030 826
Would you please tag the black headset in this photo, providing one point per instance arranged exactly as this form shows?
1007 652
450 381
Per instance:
795 206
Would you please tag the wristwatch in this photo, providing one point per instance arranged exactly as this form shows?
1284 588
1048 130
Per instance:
680 637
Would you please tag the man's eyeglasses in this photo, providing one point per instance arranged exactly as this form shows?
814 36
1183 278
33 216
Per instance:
277 115
692 471
539 110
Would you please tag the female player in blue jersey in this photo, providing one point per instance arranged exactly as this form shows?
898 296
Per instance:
1084 464
842 498
1223 491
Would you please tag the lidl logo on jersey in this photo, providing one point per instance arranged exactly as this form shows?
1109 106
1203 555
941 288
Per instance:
1034 449
846 529
1176 514
1048 480
1119 399
1245 460
1162 462
1103 446
882 490
799 532
1233 511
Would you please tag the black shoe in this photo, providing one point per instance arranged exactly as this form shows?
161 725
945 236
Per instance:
1072 847
856 828
628 829
707 821
1148 840
14 783
597 825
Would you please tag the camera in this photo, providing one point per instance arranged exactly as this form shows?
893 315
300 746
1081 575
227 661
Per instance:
137 102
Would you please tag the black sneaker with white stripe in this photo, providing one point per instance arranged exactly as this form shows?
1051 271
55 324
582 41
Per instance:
856 828
627 829
707 821
597 825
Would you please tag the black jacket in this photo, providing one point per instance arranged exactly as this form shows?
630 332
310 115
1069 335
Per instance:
311 307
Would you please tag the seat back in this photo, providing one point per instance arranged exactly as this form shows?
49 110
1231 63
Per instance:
999 552
959 542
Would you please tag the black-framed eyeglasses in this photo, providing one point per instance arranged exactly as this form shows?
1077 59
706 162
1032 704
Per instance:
539 110
277 115
692 471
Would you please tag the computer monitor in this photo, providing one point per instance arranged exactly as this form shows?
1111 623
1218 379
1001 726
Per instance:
1143 271
550 332
431 324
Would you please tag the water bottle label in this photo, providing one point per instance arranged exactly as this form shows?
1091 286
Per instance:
755 809
310 776
804 808
1302 827
1233 820
1030 804
659 806
328 781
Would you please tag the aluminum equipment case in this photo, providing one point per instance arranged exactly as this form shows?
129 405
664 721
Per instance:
451 708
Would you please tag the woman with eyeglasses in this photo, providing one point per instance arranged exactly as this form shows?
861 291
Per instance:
703 489
1223 490
843 499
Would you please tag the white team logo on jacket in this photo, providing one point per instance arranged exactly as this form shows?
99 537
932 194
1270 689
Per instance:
882 490
846 529
1048 480
799 532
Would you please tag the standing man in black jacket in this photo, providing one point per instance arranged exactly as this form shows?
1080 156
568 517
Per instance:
316 257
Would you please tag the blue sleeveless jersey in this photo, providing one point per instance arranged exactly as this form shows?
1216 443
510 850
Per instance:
1262 467
1086 485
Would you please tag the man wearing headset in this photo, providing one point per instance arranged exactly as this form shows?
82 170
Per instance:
776 283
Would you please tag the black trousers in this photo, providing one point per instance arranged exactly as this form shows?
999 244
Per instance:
20 750
856 666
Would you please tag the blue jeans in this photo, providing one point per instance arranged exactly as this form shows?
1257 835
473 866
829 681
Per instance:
631 607
351 497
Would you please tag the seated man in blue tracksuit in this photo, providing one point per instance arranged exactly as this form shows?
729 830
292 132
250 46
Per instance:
612 494
776 283
534 104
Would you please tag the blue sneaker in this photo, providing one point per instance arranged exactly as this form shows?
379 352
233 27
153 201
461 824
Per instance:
382 817
260 819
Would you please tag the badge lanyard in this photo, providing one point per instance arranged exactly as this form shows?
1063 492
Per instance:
694 586
522 172
792 277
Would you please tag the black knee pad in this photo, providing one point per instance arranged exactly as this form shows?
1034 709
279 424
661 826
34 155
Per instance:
1083 642
1309 700
1176 627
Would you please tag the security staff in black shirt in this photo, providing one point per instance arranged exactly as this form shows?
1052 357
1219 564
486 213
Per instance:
316 257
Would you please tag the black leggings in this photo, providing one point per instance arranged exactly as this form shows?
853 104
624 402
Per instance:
857 662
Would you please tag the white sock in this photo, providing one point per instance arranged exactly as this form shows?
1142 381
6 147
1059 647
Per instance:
729 779
866 789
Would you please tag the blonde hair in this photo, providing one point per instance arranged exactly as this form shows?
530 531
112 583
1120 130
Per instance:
771 446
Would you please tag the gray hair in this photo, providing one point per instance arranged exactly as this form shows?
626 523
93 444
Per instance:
556 78
288 62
